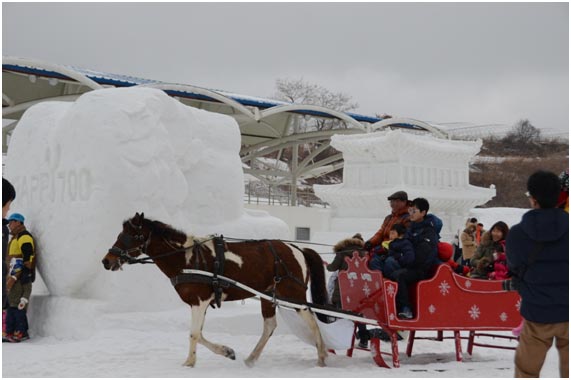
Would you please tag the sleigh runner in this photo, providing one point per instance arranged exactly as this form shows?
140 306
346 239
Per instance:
445 302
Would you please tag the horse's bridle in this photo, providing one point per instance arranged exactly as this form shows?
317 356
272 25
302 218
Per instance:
126 239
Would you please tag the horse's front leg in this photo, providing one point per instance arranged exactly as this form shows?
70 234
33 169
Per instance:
198 313
219 349
198 316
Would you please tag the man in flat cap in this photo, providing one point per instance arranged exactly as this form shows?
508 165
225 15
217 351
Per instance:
399 206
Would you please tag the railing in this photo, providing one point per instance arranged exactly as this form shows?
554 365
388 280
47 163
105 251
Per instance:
282 198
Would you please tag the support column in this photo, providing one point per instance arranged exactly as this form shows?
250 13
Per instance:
294 164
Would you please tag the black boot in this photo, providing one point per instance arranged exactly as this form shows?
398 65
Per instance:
364 336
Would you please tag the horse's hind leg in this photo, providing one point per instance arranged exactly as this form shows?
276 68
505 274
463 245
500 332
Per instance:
269 314
314 328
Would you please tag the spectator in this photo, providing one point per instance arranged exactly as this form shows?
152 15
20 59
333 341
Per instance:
493 240
400 253
19 283
468 243
399 214
8 195
457 251
538 257
422 233
479 232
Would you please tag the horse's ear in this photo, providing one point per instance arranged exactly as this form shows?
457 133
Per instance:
142 215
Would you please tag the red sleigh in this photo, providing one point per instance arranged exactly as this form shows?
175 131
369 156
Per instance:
445 302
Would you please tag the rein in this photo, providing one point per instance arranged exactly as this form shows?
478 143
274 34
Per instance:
283 241
151 260
125 254
294 241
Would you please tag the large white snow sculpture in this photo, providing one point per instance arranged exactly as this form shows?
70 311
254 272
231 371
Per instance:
380 163
82 168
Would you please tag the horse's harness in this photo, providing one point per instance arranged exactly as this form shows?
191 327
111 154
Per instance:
199 260
198 250
218 269
126 239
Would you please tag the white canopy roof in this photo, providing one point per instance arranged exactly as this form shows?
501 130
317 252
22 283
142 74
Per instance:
267 126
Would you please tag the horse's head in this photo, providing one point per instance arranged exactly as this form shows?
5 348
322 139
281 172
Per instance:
131 243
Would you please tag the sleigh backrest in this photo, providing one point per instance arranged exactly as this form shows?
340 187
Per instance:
446 301
363 290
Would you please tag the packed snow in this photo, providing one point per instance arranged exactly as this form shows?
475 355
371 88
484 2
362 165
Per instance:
155 344
80 169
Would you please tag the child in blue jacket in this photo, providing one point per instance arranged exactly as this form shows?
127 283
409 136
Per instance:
400 253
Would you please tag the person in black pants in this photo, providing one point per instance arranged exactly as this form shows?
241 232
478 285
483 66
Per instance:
422 233
8 195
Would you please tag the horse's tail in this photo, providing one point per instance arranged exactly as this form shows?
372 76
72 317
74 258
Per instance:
317 277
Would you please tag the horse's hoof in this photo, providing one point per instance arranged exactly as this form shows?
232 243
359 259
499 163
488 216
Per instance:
321 363
229 353
249 363
189 363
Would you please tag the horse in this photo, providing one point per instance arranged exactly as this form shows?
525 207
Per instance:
270 266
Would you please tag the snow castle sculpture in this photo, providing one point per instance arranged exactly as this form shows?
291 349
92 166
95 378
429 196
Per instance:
380 163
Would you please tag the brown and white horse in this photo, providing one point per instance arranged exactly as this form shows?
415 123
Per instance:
269 266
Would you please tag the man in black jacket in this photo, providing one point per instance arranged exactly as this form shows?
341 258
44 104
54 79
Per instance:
538 256
422 233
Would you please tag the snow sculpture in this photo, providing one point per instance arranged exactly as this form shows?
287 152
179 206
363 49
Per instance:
82 168
380 163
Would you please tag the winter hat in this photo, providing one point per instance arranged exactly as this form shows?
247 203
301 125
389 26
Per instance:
358 236
17 217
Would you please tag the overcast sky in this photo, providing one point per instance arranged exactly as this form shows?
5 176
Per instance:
480 62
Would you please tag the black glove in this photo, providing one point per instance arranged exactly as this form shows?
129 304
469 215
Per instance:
368 245
459 269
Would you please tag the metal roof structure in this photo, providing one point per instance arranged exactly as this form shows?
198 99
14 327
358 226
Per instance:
268 127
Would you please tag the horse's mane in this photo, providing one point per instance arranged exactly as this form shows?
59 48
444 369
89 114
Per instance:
164 230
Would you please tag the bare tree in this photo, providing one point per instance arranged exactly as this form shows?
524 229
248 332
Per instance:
523 132
301 92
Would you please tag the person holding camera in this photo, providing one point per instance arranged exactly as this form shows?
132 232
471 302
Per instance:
537 252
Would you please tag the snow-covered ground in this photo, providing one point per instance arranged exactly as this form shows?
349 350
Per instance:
155 344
